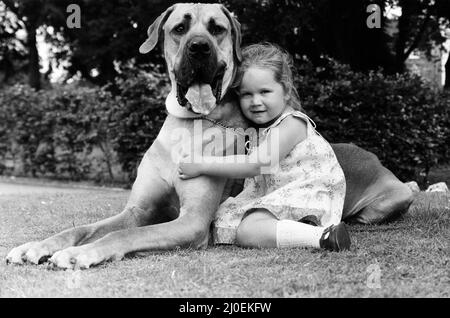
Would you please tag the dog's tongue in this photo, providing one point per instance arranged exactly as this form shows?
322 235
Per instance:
201 98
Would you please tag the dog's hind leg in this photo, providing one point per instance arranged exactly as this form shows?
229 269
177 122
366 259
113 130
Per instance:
374 194
383 201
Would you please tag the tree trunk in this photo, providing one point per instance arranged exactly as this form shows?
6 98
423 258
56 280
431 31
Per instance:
104 147
400 44
447 74
34 77
107 71
7 67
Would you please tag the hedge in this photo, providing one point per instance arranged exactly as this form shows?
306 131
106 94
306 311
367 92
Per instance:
79 133
400 118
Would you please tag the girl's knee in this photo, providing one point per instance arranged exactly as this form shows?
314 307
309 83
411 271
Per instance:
244 235
258 229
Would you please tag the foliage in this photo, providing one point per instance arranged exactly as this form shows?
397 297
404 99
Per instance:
12 52
316 27
399 118
137 114
112 31
53 133
45 131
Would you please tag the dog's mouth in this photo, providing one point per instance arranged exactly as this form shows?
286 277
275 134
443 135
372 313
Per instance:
199 96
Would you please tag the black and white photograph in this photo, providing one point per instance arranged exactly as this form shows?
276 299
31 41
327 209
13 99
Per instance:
225 154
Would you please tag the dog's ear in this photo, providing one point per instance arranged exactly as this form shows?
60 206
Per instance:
236 34
154 31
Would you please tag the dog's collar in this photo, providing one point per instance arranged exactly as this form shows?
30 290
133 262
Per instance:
223 126
174 109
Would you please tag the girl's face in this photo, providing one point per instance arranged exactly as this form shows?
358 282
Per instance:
261 97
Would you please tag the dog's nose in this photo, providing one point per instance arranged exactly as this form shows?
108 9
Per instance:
199 48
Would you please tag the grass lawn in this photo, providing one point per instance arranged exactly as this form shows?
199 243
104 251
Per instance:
407 258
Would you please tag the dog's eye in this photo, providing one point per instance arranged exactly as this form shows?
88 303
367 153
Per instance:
179 29
217 30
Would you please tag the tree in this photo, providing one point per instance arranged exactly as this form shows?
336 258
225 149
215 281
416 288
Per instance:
419 27
112 31
110 35
11 49
32 14
316 27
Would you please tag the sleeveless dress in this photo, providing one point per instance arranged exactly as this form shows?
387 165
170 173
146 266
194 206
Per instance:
308 182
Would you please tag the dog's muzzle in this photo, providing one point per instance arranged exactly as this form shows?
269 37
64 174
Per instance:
215 82
199 71
199 48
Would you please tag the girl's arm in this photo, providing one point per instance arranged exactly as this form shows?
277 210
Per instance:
274 148
229 167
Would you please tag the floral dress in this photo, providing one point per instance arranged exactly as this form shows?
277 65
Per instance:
308 182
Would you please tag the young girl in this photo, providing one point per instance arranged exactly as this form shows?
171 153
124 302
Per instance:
301 203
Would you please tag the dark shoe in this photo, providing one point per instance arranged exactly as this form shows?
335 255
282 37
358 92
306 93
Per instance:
335 238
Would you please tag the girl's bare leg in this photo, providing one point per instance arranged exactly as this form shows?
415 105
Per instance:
258 229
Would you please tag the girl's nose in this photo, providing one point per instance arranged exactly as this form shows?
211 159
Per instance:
256 100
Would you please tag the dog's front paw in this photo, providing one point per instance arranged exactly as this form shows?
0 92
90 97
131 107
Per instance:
71 258
31 252
79 257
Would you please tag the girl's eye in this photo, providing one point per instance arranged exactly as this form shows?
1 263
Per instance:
265 91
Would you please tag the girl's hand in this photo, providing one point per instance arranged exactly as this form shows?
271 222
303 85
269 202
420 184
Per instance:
187 169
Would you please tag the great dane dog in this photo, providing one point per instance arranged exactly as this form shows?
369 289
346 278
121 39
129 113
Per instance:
163 212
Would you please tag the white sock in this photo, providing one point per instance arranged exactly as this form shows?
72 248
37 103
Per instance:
296 234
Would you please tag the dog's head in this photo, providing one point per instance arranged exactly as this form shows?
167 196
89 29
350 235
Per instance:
201 48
